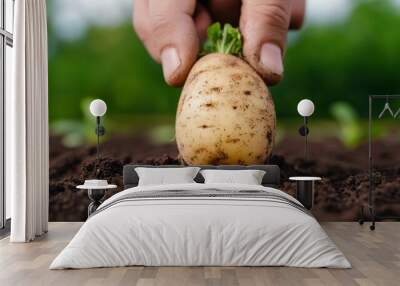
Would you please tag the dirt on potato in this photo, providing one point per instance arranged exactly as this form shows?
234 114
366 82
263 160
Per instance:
224 114
344 173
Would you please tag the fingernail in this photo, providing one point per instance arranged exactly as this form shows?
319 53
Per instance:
271 58
170 61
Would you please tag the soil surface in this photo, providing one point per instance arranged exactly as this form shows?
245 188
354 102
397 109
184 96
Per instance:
338 195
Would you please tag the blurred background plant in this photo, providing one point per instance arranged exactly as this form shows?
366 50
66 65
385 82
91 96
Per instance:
346 50
76 132
351 132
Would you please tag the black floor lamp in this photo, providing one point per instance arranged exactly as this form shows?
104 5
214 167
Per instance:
98 108
305 108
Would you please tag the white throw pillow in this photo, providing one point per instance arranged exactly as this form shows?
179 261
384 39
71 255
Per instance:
248 177
164 176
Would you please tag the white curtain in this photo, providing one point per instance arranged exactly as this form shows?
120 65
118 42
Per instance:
27 137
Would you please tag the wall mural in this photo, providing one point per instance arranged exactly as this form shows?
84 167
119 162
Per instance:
334 62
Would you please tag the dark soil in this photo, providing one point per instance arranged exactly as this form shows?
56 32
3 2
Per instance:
338 195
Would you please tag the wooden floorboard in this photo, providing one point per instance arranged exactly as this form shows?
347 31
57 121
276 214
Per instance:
375 257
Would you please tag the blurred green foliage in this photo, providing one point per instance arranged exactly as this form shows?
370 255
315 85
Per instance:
344 62
329 63
108 63
351 132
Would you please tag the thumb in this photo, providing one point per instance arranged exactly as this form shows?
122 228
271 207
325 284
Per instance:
264 25
175 38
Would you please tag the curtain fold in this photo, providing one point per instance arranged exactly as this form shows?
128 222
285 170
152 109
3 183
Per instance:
27 122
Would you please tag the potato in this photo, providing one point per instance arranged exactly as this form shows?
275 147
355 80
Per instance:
225 114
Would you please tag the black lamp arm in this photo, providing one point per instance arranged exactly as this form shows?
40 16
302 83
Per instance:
100 131
305 138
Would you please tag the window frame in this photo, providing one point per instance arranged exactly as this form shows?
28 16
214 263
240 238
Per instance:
6 39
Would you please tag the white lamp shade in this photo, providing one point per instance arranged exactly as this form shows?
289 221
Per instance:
305 107
98 107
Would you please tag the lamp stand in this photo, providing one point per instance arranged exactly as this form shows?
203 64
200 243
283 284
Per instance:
305 138
100 131
98 137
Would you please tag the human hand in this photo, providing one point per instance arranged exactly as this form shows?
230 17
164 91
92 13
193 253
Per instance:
172 31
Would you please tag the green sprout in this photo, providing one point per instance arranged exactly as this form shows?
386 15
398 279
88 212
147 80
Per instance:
227 40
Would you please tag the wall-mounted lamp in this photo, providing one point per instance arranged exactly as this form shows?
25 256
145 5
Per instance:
305 108
98 108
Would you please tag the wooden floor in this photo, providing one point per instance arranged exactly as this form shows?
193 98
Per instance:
375 257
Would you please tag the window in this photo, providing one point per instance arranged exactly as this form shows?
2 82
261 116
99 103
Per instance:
6 43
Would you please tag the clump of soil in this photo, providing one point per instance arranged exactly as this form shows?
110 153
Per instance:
70 167
338 195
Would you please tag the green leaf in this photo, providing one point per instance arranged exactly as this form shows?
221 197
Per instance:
214 32
227 41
